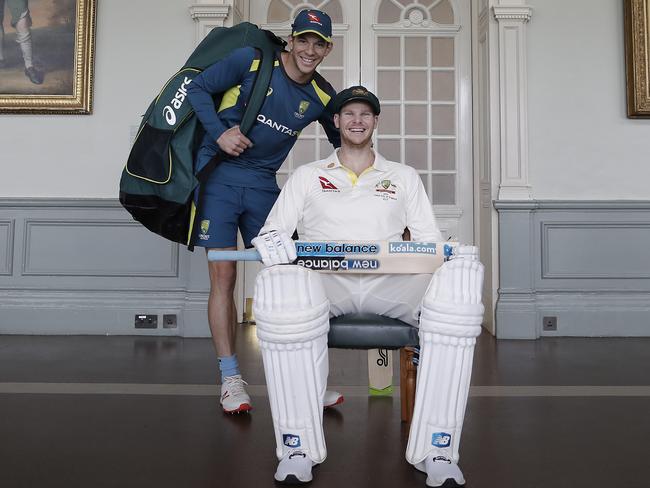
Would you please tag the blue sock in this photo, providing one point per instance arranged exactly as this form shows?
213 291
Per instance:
228 366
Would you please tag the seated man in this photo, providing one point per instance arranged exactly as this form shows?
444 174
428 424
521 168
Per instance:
341 198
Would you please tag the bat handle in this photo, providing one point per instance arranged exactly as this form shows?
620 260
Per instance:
249 255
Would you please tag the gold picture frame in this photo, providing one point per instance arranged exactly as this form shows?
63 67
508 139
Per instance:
62 46
637 49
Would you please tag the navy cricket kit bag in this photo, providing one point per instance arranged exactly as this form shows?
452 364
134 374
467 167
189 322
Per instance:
158 183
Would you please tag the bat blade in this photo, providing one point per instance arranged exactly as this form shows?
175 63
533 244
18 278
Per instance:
380 372
385 257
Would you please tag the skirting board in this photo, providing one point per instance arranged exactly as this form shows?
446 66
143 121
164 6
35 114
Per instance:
577 314
101 312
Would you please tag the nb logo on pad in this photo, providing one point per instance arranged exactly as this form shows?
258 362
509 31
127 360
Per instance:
291 440
440 439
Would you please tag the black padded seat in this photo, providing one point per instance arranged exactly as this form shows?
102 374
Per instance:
370 331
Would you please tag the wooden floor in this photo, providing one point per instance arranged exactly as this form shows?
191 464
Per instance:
143 412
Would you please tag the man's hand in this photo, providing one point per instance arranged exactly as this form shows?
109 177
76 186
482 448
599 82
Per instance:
275 247
233 142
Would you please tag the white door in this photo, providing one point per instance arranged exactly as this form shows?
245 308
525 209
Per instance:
416 56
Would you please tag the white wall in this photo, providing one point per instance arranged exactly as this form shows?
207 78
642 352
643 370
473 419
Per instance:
139 44
582 145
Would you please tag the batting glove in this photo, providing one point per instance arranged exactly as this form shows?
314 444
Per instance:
275 247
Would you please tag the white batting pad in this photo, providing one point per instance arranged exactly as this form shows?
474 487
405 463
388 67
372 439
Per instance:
451 318
292 316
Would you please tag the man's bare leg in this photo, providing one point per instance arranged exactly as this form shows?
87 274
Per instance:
222 317
221 305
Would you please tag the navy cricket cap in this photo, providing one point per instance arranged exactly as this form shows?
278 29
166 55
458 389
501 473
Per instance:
313 21
356 94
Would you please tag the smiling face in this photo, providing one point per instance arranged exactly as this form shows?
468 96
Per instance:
306 52
357 122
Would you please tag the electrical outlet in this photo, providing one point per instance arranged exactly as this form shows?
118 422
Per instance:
146 321
169 321
549 323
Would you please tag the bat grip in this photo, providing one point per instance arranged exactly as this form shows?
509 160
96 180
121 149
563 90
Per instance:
249 255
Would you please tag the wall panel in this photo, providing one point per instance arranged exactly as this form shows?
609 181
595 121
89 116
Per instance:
6 246
584 262
83 266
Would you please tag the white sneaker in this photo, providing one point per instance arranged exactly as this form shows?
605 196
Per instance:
234 398
294 468
332 398
442 472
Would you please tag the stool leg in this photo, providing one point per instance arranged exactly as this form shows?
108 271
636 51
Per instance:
407 380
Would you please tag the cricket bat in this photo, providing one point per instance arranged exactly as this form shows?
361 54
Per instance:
384 257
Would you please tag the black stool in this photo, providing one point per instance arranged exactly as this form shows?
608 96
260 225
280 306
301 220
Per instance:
371 331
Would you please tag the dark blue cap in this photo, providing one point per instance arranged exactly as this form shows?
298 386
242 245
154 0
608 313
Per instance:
356 94
313 21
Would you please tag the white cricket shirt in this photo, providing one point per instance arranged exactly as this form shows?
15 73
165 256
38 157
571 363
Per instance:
332 203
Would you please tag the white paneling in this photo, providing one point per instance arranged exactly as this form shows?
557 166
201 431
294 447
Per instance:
512 22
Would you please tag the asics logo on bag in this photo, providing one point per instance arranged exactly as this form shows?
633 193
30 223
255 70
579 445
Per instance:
291 440
283 129
176 102
440 439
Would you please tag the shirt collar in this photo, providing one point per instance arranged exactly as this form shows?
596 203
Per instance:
333 162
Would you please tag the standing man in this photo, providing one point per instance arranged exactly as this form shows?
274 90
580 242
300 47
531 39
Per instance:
21 21
355 194
243 188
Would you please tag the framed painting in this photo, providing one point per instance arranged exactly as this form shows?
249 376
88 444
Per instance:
637 47
47 56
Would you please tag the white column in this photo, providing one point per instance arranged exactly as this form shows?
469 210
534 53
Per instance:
487 137
217 13
513 106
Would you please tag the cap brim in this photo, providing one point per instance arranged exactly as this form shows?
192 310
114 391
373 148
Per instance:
327 39
376 110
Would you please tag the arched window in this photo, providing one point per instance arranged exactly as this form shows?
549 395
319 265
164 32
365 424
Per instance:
415 12
285 10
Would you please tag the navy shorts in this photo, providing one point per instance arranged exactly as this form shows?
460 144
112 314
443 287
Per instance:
226 208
